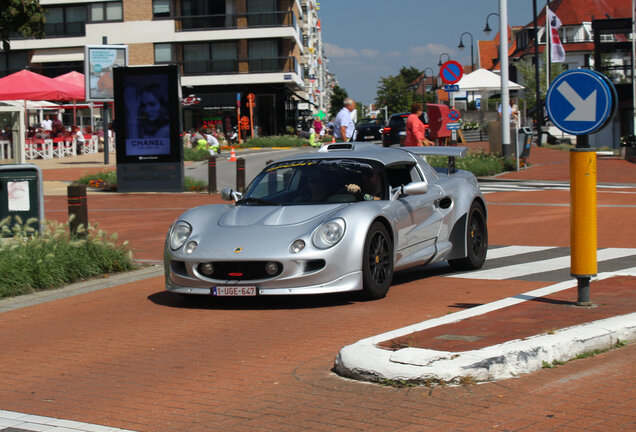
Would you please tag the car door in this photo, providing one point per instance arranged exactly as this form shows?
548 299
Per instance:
417 218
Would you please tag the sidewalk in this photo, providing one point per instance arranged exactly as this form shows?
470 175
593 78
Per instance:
492 341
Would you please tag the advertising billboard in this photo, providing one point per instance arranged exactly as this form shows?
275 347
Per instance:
100 62
147 128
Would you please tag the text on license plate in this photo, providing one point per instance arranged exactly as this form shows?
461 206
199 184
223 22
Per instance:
368 137
403 133
234 291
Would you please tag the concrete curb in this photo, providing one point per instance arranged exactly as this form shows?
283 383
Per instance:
22 301
363 360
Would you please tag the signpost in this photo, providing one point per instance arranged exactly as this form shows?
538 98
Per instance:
251 104
581 102
450 73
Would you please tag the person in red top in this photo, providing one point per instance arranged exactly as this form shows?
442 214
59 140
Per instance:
415 129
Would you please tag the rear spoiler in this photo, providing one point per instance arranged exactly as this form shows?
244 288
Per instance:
451 151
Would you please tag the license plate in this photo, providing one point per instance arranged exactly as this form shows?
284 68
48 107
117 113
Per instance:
368 137
403 133
234 291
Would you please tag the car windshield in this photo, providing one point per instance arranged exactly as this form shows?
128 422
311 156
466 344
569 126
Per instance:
317 181
370 122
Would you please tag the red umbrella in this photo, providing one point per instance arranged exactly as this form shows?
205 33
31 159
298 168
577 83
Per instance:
76 79
73 78
27 85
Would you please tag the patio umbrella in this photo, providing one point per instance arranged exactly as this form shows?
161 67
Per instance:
27 85
76 79
484 80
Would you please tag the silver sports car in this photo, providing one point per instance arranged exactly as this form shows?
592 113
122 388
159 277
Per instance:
343 218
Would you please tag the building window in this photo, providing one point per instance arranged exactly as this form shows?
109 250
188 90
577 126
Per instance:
163 53
264 55
263 13
13 61
210 58
106 11
161 8
65 21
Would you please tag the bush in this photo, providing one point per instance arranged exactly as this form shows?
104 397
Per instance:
276 141
32 261
477 162
190 154
107 181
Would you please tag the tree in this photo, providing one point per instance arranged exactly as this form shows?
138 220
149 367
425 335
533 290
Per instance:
24 17
526 69
395 93
410 74
338 96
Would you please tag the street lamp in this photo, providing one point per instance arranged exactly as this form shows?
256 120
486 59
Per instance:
440 58
461 47
487 29
432 71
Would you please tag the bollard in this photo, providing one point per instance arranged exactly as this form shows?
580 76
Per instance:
77 210
583 222
211 174
240 174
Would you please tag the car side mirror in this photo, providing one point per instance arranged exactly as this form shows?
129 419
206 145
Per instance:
227 194
415 188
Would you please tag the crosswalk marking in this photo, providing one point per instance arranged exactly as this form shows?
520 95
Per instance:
535 267
507 251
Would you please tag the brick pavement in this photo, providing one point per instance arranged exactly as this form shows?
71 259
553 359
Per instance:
136 357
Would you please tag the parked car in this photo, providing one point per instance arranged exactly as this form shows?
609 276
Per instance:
395 130
369 129
341 219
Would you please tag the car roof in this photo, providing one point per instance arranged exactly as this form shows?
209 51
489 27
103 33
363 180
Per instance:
358 150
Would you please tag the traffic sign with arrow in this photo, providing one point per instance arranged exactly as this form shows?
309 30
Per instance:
581 101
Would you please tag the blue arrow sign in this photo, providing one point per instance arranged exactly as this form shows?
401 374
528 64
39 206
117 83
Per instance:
453 126
579 101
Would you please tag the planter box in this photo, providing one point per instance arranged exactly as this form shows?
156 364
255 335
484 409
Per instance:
473 135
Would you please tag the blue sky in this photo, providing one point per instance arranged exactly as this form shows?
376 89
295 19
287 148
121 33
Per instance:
368 39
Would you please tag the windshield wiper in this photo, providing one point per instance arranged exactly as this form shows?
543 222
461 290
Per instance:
257 201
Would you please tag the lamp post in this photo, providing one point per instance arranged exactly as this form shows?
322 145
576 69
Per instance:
440 58
432 73
487 29
503 61
461 47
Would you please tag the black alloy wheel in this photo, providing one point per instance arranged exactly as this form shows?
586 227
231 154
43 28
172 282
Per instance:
377 262
476 240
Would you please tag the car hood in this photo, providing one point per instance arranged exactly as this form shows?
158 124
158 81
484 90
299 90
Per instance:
244 216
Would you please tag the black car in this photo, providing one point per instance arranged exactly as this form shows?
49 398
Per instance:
369 129
395 131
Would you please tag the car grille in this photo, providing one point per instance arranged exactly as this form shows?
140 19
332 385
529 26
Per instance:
246 270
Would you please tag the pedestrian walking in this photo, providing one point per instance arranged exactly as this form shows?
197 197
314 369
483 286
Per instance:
344 127
415 129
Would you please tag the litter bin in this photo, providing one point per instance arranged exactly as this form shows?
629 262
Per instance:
524 142
21 194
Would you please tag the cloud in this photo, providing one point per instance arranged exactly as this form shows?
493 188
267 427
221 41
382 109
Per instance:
394 54
429 49
334 51
369 53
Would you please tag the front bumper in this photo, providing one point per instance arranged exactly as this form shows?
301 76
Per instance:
349 282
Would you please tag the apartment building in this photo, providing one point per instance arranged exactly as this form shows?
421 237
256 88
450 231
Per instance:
223 48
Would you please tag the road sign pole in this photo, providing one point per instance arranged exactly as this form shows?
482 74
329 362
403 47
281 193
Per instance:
583 218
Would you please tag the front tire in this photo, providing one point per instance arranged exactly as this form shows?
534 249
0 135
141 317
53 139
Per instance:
377 262
476 241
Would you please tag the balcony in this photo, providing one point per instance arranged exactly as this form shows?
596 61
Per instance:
228 21
247 66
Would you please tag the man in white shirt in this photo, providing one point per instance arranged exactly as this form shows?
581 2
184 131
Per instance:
47 124
344 127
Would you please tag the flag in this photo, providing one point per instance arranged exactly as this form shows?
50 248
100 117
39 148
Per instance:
557 52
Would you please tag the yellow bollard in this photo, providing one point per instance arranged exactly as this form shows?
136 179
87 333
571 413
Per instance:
583 223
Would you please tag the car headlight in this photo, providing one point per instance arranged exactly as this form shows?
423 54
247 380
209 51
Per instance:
329 233
179 234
